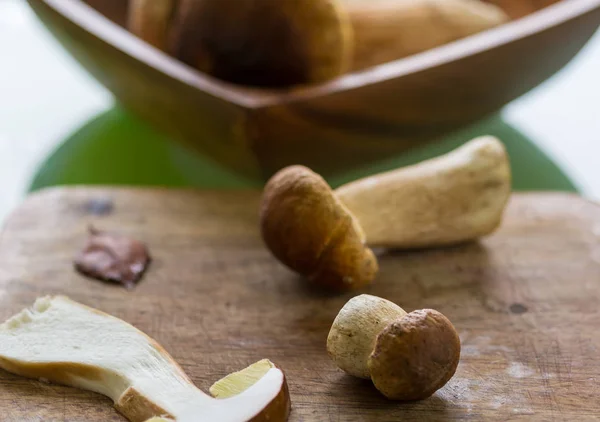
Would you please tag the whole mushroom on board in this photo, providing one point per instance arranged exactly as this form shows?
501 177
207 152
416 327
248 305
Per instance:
290 42
407 356
308 229
323 233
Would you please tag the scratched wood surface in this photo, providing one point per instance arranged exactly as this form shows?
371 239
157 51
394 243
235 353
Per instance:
525 302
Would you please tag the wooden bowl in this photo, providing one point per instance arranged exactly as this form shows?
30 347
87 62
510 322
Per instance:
336 126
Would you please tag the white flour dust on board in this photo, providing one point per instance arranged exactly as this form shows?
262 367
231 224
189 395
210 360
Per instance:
472 390
459 392
497 402
518 370
481 345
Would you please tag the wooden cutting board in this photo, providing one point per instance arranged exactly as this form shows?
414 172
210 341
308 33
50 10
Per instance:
525 302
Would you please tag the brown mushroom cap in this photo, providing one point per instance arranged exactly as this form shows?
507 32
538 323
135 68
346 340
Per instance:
309 230
415 356
263 42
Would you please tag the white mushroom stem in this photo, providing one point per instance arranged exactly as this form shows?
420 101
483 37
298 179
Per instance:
453 198
355 329
62 341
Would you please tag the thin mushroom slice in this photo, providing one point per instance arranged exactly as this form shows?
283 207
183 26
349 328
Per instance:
65 342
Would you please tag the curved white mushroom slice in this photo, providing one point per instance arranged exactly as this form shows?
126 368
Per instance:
65 342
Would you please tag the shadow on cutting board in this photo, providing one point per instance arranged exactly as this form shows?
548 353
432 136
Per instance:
104 149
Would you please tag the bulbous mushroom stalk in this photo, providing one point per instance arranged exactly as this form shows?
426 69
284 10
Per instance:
407 356
453 198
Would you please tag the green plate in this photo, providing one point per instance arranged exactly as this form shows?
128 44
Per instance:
115 148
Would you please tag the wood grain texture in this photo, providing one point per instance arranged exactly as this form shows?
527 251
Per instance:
525 302
336 126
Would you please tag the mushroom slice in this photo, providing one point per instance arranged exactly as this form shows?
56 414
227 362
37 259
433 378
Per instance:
65 342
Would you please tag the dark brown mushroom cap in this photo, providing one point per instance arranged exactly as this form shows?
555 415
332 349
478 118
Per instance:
263 42
415 356
309 230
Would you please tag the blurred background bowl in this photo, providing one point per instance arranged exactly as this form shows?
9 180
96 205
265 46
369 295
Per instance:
356 119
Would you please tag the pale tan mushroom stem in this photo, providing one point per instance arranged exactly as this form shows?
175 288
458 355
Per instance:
387 30
355 329
62 341
453 198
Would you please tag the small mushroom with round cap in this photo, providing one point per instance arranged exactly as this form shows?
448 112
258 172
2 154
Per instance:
309 230
407 356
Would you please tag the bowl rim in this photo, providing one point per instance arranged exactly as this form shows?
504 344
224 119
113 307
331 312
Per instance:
93 22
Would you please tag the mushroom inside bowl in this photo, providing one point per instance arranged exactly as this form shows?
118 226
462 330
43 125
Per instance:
356 118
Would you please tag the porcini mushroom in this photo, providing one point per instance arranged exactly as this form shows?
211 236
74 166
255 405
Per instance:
291 42
323 234
387 30
307 228
251 42
408 356
62 341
